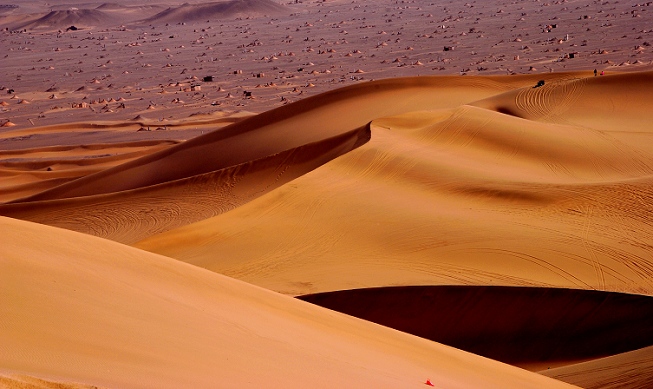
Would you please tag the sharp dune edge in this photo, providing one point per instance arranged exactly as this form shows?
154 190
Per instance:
84 310
111 14
308 120
66 18
216 10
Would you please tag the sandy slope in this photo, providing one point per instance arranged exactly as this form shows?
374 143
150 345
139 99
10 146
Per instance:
460 196
628 370
27 171
220 170
81 309
216 10
21 381
65 18
306 121
36 159
128 216
466 184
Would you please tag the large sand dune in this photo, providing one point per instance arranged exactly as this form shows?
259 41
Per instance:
186 183
450 189
216 10
452 196
627 370
84 310
63 19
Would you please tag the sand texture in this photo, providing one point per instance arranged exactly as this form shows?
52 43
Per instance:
627 370
462 195
326 193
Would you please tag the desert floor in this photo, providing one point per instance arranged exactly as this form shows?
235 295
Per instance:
326 194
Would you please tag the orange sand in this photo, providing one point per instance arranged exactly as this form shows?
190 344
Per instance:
81 309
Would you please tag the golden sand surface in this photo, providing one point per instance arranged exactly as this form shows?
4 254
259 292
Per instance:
77 308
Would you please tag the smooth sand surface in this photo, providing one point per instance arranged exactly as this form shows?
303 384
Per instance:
628 370
77 308
21 381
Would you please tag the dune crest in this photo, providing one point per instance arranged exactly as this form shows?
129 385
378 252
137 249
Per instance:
186 12
158 208
61 19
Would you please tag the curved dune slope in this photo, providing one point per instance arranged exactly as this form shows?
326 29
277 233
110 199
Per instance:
612 104
456 196
30 163
21 381
216 10
629 370
306 121
168 195
66 18
136 214
520 326
29 171
80 309
449 190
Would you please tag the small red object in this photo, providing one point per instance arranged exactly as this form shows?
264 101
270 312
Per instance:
428 382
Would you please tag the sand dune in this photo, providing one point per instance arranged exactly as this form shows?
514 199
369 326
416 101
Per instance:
628 370
216 10
28 171
469 206
62 19
306 121
578 101
129 216
29 164
255 150
100 313
479 187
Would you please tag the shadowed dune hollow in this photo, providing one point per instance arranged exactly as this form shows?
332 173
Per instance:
516 325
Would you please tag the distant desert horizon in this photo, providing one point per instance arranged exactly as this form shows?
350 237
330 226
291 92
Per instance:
328 193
